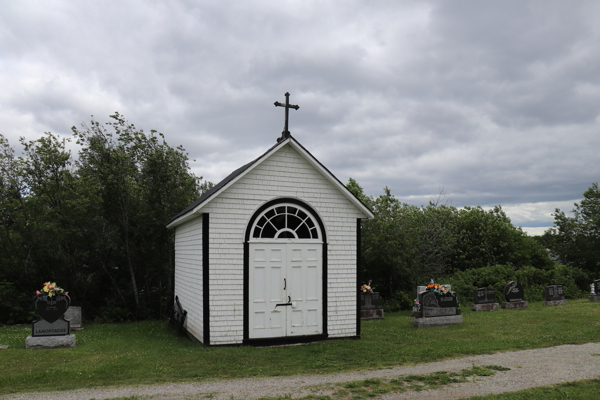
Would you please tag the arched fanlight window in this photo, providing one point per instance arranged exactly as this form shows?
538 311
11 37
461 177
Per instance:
285 221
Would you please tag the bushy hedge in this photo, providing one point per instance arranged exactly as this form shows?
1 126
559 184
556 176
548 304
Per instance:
574 280
15 306
399 301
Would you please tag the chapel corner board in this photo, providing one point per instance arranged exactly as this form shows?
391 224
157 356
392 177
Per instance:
270 254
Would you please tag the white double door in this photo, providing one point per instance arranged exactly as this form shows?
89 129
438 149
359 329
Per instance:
285 289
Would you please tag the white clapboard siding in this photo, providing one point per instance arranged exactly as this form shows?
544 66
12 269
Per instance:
188 274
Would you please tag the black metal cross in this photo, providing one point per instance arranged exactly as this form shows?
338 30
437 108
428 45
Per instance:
286 133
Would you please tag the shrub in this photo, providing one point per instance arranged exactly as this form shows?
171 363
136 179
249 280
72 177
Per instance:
15 306
399 301
534 280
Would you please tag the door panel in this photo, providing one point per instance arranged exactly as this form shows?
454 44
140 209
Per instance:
307 289
267 263
279 271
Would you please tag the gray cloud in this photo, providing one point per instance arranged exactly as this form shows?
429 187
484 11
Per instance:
493 102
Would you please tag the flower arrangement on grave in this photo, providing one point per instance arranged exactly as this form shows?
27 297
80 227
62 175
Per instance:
50 289
367 288
439 289
417 305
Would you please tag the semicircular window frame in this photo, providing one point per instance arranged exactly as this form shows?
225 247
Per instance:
285 221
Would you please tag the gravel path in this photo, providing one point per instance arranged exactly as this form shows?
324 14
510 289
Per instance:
529 368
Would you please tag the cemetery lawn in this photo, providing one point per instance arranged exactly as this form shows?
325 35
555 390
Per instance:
149 352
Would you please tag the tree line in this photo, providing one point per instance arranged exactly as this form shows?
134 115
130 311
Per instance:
95 224
405 246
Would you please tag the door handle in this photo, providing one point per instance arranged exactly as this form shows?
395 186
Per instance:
289 303
284 284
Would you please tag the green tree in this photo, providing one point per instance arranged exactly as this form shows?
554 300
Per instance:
143 182
96 226
489 238
404 245
576 240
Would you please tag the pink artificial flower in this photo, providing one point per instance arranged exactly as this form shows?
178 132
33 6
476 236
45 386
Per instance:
67 293
37 292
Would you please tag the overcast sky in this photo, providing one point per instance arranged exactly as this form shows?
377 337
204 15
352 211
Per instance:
492 102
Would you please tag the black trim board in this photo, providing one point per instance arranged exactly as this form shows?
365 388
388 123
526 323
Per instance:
283 341
358 274
246 323
206 277
286 340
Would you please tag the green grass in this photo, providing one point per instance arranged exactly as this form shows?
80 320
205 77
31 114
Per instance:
581 390
149 352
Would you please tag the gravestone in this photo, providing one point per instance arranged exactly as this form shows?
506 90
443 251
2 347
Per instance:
51 329
485 300
514 295
554 295
73 315
435 307
595 296
370 306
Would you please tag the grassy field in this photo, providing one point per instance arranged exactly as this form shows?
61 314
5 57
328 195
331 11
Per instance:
149 352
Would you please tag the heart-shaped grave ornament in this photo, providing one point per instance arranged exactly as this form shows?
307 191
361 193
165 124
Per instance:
52 308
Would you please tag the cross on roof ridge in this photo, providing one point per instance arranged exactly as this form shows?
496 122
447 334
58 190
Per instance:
286 133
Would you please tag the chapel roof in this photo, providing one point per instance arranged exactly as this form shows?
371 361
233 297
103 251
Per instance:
240 171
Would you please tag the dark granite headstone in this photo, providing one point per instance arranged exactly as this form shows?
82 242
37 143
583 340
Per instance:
554 292
59 327
435 308
370 306
597 287
370 301
433 299
485 295
513 291
436 305
51 311
51 308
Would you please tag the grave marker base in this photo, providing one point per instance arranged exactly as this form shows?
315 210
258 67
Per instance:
485 307
556 302
50 342
514 305
427 322
367 315
439 311
594 297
